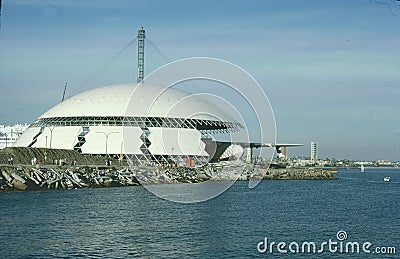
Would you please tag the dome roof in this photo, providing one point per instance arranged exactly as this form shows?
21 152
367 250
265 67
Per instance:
137 101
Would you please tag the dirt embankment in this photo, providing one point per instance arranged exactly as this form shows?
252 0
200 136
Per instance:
24 156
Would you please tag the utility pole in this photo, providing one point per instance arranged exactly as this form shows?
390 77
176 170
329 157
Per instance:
51 134
106 135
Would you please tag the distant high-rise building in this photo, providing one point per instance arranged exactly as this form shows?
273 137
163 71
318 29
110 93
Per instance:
314 152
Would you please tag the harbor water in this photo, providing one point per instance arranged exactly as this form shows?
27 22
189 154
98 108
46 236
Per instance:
127 222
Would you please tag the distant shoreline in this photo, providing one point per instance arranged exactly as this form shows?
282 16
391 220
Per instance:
366 167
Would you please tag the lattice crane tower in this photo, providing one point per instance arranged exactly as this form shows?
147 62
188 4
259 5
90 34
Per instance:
141 36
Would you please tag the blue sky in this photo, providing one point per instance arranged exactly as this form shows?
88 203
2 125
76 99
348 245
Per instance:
331 69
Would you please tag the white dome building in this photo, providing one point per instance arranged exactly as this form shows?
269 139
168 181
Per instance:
146 122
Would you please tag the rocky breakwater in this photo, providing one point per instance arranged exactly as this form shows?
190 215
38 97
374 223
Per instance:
26 178
299 174
231 171
215 172
62 177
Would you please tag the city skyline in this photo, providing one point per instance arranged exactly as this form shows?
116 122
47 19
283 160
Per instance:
330 69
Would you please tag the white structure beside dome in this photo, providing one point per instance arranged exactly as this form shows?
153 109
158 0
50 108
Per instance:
9 134
147 122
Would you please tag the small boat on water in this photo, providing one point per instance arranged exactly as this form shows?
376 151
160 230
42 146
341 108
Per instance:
386 179
362 169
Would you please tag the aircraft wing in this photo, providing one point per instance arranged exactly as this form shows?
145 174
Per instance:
288 145
276 145
220 147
